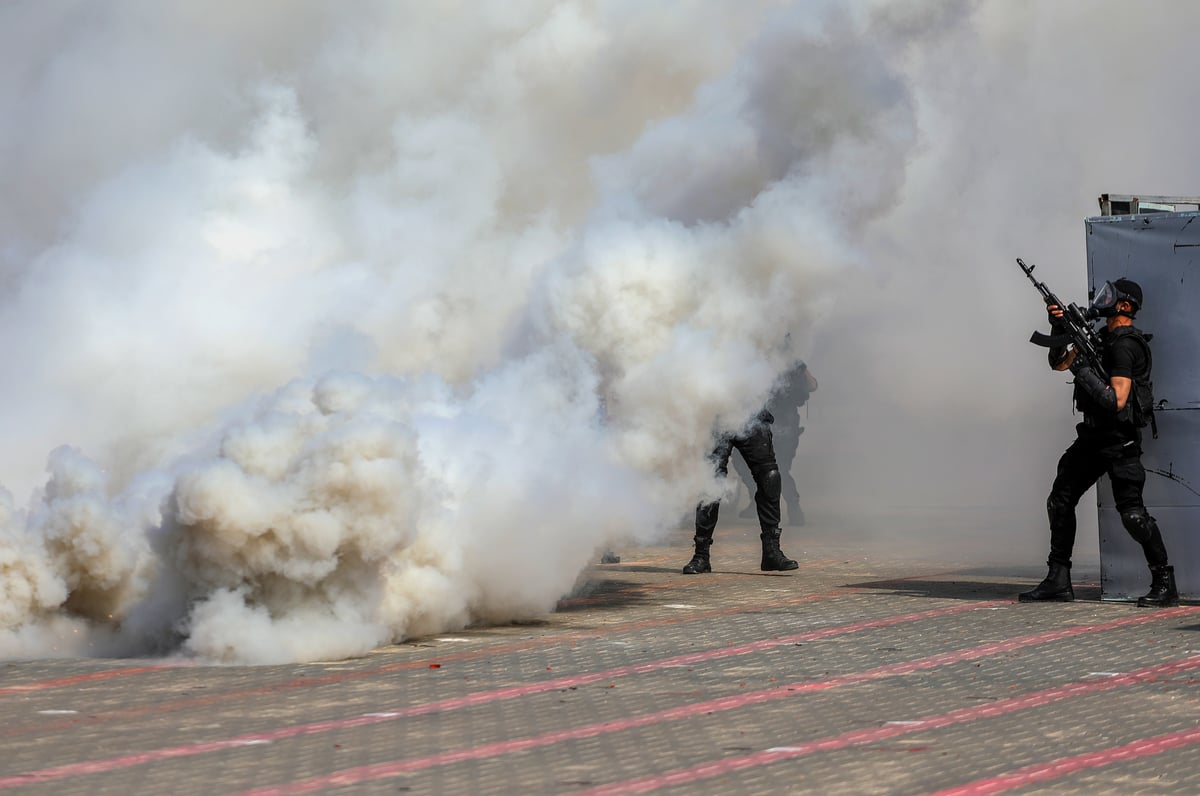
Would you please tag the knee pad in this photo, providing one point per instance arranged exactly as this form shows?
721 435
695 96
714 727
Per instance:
771 485
1141 526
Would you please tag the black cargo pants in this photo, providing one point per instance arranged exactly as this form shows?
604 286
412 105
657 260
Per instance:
758 450
1096 452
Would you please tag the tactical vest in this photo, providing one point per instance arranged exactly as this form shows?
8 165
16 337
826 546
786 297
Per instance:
1139 409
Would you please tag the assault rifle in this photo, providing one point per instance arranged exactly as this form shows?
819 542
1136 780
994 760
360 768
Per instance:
1076 327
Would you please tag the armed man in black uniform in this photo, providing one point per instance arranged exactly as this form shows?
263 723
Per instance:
1108 441
756 445
791 393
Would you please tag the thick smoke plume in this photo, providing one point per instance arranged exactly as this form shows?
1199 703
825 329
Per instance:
343 326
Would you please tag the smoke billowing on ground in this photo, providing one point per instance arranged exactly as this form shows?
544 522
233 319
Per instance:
329 327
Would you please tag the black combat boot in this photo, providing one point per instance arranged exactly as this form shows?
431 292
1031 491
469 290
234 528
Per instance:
1162 592
699 562
1055 588
773 559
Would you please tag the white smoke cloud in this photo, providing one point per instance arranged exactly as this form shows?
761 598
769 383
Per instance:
369 325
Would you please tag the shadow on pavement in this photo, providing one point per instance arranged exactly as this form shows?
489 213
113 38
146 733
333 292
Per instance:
647 568
606 594
965 589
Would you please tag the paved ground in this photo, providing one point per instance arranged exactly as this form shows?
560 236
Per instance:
858 674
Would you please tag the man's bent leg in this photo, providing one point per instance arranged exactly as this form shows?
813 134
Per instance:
773 558
759 453
1128 477
1078 468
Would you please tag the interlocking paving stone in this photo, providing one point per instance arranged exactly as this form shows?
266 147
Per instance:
639 613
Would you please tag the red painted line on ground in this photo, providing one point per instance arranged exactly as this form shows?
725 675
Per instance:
686 776
305 682
483 697
167 706
395 768
1056 769
62 682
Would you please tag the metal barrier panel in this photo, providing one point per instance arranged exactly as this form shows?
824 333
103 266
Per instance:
1161 252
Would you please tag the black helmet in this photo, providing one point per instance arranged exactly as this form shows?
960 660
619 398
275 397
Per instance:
1111 294
1130 291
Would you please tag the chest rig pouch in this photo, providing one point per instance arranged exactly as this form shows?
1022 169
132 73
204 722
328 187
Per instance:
1140 409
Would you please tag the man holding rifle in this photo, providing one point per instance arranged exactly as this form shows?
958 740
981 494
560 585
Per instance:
1112 391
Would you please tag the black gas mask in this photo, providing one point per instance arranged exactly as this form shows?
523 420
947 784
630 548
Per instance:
1104 305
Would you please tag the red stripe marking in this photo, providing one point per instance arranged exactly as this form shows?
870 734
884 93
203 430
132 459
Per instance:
305 682
395 768
695 616
44 727
1055 769
45 685
875 734
478 698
